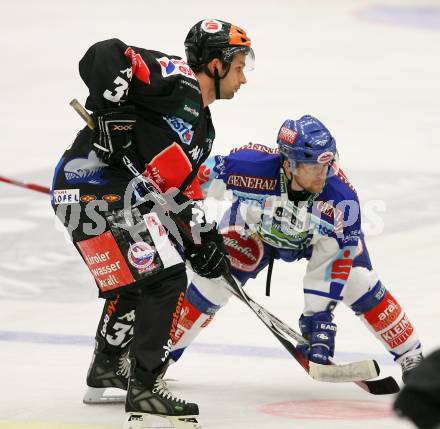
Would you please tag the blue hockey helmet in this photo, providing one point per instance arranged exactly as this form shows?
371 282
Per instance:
306 140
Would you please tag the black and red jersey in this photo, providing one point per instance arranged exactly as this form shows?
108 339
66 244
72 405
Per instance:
173 134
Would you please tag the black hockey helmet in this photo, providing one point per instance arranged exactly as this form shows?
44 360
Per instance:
212 38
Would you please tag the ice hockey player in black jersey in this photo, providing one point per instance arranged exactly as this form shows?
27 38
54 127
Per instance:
419 400
151 115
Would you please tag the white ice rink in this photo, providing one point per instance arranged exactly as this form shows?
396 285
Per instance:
370 70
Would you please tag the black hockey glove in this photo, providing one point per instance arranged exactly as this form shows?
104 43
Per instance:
113 131
209 259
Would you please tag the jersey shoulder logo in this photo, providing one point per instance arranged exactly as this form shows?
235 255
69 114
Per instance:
173 66
85 170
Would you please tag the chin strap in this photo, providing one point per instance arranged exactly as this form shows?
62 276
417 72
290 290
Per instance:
217 78
217 84
269 270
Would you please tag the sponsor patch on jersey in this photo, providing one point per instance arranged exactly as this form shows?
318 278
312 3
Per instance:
163 167
341 267
325 157
65 196
327 209
159 236
239 181
287 135
111 198
257 147
182 128
141 256
189 111
245 253
105 262
211 26
138 66
88 198
152 221
173 66
191 85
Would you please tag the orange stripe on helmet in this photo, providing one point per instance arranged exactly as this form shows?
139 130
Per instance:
238 37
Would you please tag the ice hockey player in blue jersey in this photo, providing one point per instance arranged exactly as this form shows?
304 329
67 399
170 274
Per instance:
290 203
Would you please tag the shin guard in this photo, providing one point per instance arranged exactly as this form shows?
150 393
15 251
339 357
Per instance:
197 312
384 316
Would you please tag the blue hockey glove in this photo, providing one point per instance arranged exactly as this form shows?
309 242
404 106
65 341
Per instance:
320 332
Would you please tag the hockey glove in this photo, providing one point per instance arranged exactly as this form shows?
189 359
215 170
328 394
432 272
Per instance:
113 131
320 332
208 259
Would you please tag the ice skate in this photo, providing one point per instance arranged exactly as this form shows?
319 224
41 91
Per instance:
409 361
107 377
149 403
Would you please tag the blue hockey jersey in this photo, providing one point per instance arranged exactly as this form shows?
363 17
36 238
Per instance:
328 223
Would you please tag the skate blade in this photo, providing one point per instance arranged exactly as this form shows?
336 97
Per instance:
154 421
104 395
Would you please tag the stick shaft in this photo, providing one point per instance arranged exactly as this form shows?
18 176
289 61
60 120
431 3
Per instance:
31 186
83 113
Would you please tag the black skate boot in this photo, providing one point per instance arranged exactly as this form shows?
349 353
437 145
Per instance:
149 401
409 361
107 371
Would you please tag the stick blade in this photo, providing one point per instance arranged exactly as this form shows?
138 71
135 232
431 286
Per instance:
355 371
384 386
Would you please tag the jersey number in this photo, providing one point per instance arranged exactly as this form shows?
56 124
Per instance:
120 90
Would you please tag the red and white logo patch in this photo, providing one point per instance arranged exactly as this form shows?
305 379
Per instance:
174 66
287 135
188 315
384 314
325 157
203 174
141 256
245 253
211 25
399 333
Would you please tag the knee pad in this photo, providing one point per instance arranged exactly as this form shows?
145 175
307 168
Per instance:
215 291
360 283
199 301
370 299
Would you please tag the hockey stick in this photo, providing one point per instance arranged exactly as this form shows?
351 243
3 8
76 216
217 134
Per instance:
356 371
331 373
31 186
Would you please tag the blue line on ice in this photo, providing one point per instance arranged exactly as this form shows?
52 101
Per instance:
218 349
